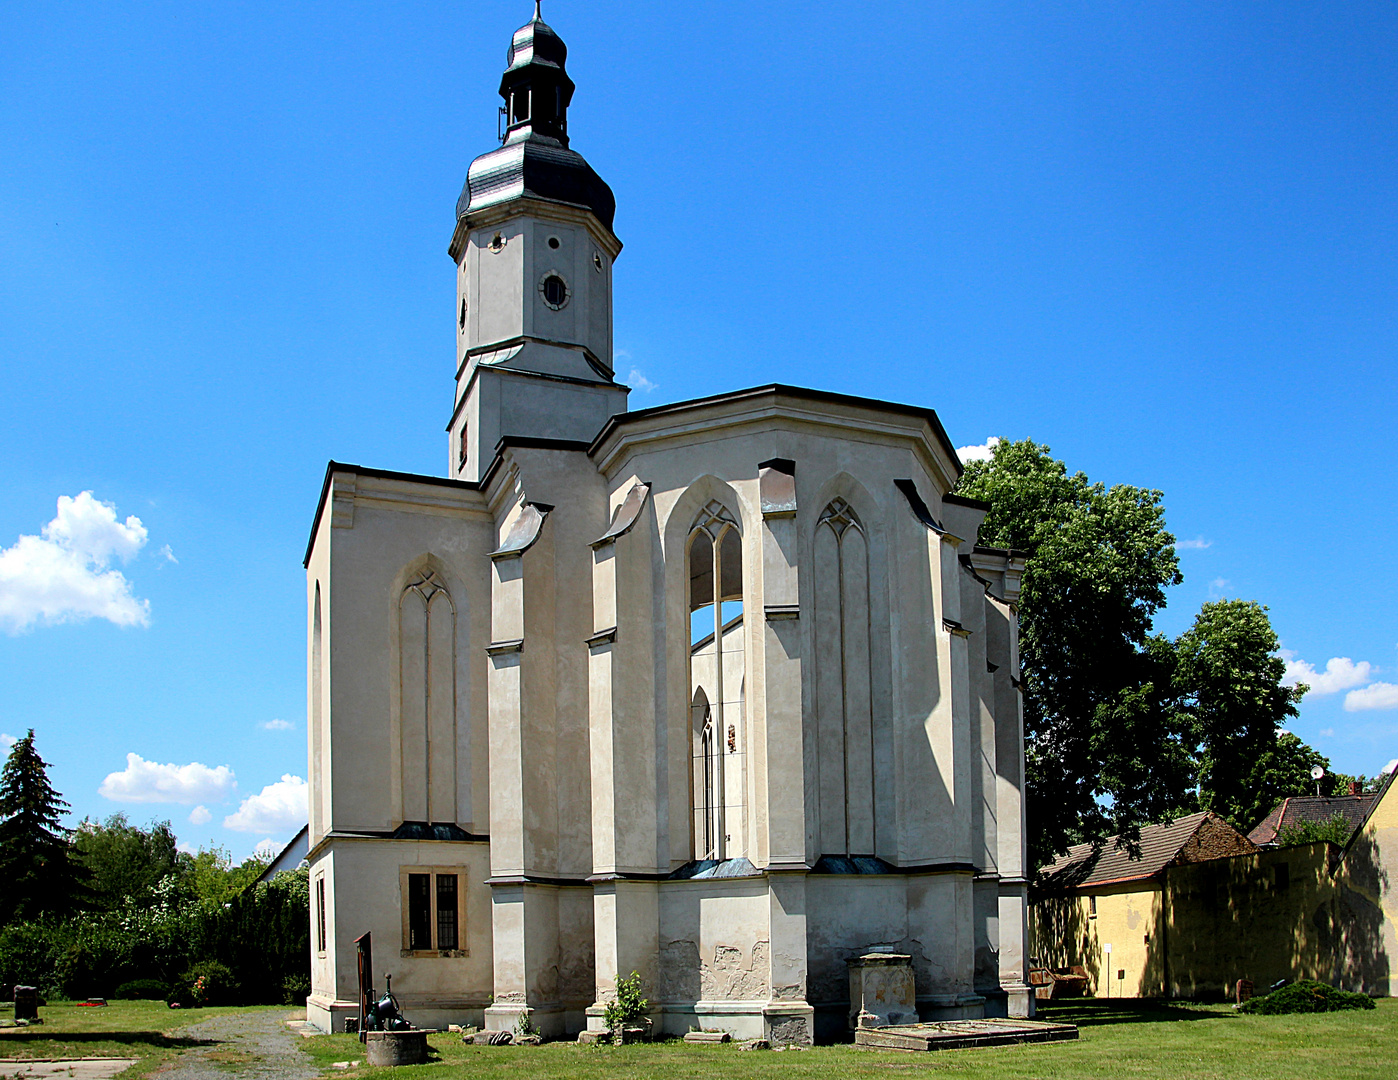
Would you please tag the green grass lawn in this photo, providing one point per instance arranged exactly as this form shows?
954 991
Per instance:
1118 1039
147 1030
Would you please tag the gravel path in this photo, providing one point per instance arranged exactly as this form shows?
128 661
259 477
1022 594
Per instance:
256 1045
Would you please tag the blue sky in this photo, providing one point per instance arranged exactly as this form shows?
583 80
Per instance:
1159 238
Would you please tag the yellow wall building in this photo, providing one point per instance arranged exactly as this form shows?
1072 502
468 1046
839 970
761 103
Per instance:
1204 907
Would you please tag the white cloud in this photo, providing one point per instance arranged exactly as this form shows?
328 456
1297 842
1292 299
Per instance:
267 848
278 807
640 382
1217 587
199 815
983 452
275 725
1389 767
187 848
1197 544
1379 695
148 782
168 555
1327 733
7 740
1340 673
63 575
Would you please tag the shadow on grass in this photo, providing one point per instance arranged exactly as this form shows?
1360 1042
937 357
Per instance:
1095 1012
127 1038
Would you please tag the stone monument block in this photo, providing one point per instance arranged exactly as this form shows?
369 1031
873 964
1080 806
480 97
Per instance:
881 991
26 1003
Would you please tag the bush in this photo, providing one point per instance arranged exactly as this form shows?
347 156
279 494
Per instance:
140 990
296 989
206 983
629 1007
1306 996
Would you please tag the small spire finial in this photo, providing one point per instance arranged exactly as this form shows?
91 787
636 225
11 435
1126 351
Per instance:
538 15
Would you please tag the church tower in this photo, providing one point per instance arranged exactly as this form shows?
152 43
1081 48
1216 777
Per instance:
533 249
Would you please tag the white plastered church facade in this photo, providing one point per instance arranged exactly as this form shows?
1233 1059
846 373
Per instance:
722 692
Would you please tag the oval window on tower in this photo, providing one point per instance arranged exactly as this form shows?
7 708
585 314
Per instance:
555 290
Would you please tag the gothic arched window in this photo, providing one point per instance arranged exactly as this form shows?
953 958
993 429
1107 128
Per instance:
427 673
716 667
844 706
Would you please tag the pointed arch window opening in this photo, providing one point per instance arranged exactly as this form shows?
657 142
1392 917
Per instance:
717 657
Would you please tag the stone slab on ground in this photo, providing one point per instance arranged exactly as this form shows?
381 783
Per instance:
707 1037
78 1068
962 1034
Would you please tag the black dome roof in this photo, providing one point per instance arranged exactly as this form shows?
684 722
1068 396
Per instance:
535 160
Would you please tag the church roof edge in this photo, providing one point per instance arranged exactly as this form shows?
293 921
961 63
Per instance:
806 393
383 474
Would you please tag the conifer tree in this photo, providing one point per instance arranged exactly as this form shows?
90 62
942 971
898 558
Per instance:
38 875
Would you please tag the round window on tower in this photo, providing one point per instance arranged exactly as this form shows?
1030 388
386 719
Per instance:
553 242
555 290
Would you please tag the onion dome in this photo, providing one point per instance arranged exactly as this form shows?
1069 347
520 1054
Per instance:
534 160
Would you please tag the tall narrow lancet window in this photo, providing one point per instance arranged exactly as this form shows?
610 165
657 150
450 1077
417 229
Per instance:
427 672
844 706
705 761
716 668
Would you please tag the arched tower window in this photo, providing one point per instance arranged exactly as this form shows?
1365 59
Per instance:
427 674
717 657
844 706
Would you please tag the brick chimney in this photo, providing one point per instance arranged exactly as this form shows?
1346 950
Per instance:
1354 788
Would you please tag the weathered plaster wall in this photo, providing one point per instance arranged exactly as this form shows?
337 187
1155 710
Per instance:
363 895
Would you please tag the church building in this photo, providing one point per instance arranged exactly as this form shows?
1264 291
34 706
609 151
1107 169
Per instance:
723 692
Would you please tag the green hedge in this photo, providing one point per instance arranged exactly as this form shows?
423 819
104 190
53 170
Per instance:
261 937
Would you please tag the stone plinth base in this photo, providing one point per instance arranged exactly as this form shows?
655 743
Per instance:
395 1047
881 990
329 1014
962 1034
550 1021
707 1037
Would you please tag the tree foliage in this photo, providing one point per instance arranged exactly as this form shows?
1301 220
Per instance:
125 861
1096 689
1123 726
1229 679
37 873
1334 829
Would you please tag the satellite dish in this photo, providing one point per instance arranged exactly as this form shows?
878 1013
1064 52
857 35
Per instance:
1317 772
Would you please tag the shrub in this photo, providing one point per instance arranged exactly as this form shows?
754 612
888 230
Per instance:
1306 996
140 990
295 989
210 983
629 1007
1336 830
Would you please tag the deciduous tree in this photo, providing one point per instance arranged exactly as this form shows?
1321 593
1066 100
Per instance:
1105 751
1229 680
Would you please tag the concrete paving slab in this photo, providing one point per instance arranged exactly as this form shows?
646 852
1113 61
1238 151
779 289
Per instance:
76 1068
